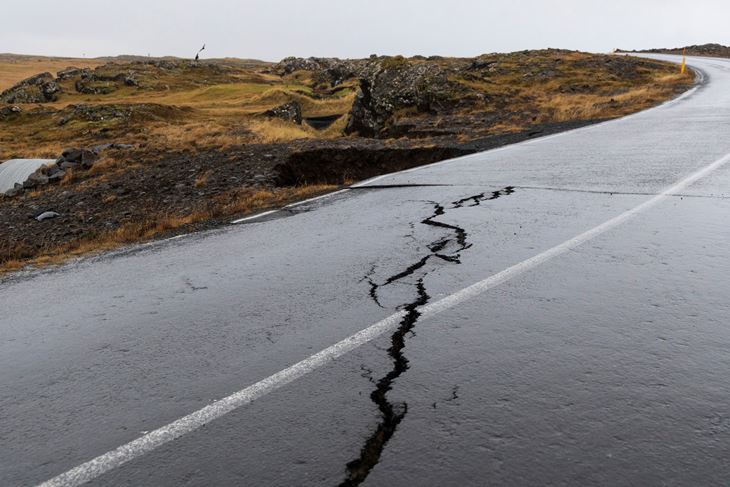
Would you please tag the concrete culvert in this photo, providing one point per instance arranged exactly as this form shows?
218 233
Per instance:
18 170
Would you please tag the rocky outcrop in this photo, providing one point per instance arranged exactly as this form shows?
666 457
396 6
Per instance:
73 158
393 86
331 71
99 83
41 88
126 113
387 84
291 112
71 72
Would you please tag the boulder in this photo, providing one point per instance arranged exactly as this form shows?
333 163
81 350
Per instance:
47 215
91 86
395 84
72 158
41 88
387 84
56 176
71 72
291 112
7 112
332 71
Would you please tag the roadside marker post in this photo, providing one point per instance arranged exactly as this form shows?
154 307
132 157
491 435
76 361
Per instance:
684 60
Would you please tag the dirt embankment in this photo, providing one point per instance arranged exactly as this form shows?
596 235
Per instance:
178 146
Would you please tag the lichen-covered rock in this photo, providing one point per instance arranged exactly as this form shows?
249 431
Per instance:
95 83
392 85
71 158
332 71
41 88
387 84
291 112
71 72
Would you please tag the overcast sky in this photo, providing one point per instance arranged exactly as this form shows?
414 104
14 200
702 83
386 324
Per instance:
273 29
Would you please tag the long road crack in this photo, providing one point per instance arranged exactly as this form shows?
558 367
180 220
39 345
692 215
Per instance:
392 414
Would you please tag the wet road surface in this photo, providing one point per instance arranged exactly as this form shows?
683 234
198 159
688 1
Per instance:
605 362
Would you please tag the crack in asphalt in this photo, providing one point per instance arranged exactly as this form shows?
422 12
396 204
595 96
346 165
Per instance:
392 414
477 200
620 193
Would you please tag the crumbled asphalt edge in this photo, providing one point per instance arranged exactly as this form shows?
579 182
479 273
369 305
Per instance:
392 414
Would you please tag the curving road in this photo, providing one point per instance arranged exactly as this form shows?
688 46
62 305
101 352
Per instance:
550 313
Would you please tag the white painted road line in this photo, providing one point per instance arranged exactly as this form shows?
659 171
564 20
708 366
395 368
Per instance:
292 205
253 217
316 198
699 82
125 453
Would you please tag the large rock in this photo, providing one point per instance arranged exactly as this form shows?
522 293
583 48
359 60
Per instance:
332 71
395 84
291 112
7 112
72 72
73 158
41 88
387 84
47 215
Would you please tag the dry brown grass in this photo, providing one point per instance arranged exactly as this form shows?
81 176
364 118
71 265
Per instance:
565 107
13 70
239 202
216 116
202 180
269 131
214 133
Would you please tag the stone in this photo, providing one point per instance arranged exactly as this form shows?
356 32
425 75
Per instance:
56 176
66 165
70 72
83 157
91 86
394 84
47 215
387 84
291 112
38 178
41 88
7 112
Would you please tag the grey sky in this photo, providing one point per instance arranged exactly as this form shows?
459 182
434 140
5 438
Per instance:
272 29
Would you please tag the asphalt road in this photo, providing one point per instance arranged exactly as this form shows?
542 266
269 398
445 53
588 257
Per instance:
550 313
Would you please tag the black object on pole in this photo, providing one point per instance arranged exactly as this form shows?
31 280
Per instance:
197 56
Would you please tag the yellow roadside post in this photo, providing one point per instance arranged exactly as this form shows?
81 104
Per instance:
684 61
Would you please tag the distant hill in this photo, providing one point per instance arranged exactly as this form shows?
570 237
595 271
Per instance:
712 50
126 58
